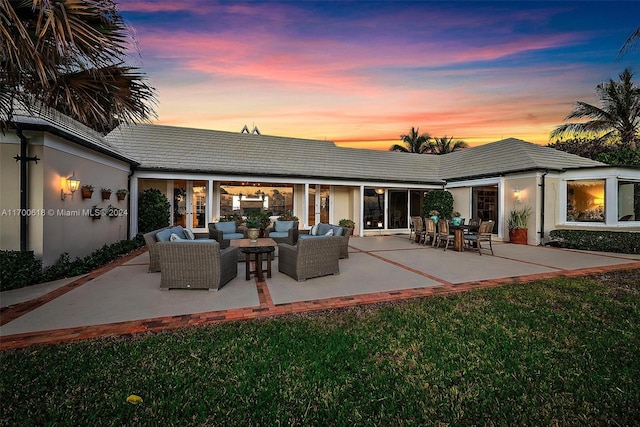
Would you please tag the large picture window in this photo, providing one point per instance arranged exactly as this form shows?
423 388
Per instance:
242 197
586 201
373 208
628 200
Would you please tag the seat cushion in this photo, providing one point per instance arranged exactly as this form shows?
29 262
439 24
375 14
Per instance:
309 236
279 234
323 229
164 235
226 227
232 236
283 226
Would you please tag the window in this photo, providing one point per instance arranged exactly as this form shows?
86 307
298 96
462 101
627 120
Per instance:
586 201
373 208
242 197
628 200
484 201
398 201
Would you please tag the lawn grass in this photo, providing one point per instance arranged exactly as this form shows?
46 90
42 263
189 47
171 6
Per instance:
564 351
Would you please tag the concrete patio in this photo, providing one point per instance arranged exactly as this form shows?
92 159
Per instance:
123 298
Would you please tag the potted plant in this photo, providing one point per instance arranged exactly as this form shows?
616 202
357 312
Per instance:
434 215
440 201
95 212
349 223
122 193
517 223
456 220
288 216
106 193
253 224
87 191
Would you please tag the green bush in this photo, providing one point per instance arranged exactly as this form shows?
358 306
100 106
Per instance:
19 269
591 240
153 210
439 200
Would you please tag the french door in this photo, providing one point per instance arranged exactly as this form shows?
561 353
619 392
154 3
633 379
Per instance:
189 207
318 204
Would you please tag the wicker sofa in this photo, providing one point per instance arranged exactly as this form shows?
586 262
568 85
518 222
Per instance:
196 265
152 238
338 231
310 258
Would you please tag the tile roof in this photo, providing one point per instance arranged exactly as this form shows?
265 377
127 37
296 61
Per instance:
210 151
217 152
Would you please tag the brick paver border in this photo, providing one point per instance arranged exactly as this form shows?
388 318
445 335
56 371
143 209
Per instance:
266 308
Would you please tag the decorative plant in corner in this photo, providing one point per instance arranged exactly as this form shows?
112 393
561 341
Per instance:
440 201
349 223
517 223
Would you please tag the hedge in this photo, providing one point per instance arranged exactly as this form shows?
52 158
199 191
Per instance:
591 240
20 269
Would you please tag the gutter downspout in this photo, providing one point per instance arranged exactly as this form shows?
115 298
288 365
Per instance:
542 186
23 159
132 169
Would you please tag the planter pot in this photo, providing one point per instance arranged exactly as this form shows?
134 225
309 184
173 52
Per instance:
121 196
106 195
434 218
253 234
456 220
86 194
518 236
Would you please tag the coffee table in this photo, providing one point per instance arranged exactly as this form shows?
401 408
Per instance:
258 248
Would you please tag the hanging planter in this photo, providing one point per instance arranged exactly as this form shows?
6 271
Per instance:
87 191
95 212
106 193
121 194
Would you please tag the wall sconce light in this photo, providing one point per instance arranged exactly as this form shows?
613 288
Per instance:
73 184
516 194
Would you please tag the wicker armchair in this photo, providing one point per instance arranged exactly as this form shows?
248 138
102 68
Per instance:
196 265
310 258
234 232
289 236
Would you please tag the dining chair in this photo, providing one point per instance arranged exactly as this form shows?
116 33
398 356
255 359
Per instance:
419 229
443 234
474 241
430 231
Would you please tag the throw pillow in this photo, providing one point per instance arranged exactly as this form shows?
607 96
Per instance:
175 237
329 233
314 230
189 234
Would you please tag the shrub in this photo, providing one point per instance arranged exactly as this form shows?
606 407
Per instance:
591 240
153 210
438 200
19 269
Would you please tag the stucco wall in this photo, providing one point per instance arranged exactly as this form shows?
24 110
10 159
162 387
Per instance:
10 191
58 226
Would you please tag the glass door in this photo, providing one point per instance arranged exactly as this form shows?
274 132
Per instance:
190 203
319 204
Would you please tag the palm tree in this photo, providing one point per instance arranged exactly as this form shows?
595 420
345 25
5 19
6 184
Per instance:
69 55
617 121
414 142
446 145
633 38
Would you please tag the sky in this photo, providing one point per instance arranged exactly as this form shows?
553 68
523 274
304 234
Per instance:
363 73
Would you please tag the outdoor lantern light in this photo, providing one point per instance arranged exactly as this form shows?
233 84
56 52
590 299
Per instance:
73 183
516 194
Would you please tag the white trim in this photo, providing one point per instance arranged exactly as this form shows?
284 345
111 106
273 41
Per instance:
60 144
475 182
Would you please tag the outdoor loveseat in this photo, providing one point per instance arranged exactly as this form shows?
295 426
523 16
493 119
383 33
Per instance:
310 257
322 229
164 235
196 265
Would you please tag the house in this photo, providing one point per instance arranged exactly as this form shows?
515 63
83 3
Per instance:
206 174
